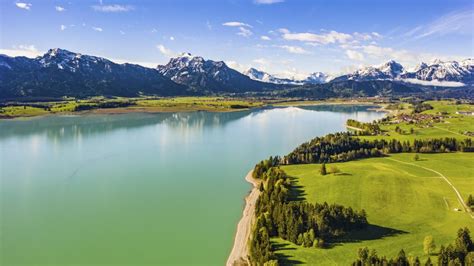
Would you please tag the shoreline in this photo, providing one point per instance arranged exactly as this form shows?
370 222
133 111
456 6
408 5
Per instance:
239 253
175 109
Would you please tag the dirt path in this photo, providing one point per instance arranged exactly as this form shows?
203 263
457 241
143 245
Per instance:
354 128
460 199
239 253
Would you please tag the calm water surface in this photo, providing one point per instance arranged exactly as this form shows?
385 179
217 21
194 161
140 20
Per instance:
140 189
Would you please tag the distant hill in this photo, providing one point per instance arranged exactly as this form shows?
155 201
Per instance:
376 88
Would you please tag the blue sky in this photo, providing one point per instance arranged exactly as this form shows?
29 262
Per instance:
286 37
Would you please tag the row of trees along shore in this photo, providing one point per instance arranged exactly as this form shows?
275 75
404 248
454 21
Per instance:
459 253
364 129
312 225
299 222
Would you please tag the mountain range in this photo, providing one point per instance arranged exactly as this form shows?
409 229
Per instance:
60 73
313 78
440 71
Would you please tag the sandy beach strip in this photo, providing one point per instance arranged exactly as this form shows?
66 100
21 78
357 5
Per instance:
239 253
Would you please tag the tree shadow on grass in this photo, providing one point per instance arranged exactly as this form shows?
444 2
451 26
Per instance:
371 232
343 174
282 258
296 192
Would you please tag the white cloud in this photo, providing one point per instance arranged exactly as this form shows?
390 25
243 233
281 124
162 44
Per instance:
284 30
292 73
243 27
363 36
62 27
237 66
459 22
59 8
354 55
435 83
165 51
122 32
325 38
244 32
388 53
268 2
97 29
171 38
236 24
261 61
265 38
294 49
377 35
112 8
22 50
154 30
25 6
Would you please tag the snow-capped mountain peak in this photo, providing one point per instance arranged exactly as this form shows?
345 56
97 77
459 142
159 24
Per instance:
444 71
388 70
185 54
259 75
70 61
313 78
420 66
317 78
391 68
195 71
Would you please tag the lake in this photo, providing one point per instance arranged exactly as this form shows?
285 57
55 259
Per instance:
140 189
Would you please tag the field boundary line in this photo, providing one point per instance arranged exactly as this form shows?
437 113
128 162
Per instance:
447 130
447 204
460 199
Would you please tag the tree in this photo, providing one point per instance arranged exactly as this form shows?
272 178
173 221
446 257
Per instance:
323 170
416 158
428 245
470 202
428 262
334 170
402 259
271 263
463 242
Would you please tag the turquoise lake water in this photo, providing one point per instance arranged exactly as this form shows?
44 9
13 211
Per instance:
140 189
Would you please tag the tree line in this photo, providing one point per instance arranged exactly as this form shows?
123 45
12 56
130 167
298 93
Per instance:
459 253
300 222
365 128
342 147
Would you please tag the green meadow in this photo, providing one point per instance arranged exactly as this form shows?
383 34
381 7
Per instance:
404 203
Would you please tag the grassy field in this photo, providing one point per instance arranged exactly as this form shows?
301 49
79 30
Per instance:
404 203
197 104
156 104
143 104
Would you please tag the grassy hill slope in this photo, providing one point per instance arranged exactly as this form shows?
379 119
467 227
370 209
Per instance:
404 203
